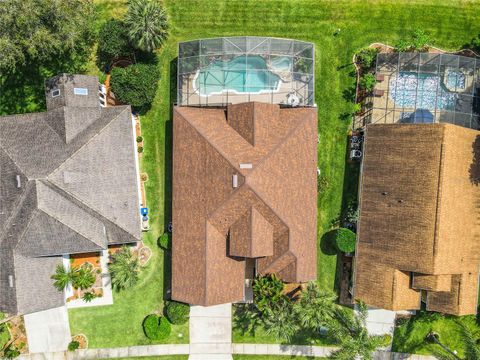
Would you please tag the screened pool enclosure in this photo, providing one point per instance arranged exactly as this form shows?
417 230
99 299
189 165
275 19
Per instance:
229 70
424 88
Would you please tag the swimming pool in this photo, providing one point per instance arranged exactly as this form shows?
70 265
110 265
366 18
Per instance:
242 74
455 80
417 90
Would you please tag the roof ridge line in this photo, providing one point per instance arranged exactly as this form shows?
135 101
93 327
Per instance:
439 196
48 178
85 144
61 222
8 223
75 231
278 145
285 254
85 204
236 167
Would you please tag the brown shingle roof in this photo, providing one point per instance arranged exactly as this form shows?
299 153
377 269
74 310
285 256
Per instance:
271 213
418 214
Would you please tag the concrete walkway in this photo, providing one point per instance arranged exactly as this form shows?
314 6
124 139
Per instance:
48 331
184 349
211 332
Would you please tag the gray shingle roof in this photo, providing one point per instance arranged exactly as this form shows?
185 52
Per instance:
76 189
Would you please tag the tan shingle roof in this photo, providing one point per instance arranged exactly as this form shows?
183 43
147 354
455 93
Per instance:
273 153
418 210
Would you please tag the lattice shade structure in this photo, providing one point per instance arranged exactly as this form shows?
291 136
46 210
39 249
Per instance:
425 88
231 70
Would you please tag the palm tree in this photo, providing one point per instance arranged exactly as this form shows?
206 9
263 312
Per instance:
124 269
281 322
468 339
146 22
351 333
267 291
64 277
316 308
84 277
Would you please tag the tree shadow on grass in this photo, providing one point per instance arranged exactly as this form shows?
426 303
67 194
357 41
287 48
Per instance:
327 244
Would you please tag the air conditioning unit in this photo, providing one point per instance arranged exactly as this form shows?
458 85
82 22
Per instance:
355 154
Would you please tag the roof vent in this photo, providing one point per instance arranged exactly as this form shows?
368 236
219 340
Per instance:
384 193
19 182
246 166
235 180
10 281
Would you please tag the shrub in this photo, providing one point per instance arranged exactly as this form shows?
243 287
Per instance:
143 177
84 278
156 327
420 40
177 312
139 139
402 45
88 296
368 81
11 352
124 269
4 336
135 84
366 57
345 240
113 41
267 292
165 241
140 149
73 345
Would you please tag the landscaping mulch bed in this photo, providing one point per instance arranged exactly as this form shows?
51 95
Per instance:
144 255
82 340
17 332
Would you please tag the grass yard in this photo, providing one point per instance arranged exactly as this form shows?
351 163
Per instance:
409 337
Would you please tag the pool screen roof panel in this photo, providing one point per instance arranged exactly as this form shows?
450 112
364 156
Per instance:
447 85
226 70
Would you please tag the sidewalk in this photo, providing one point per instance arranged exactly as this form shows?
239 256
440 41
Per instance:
184 349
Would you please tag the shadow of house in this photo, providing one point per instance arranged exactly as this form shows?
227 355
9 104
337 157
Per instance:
167 200
475 166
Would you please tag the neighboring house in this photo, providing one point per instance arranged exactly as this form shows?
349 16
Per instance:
68 185
244 198
418 234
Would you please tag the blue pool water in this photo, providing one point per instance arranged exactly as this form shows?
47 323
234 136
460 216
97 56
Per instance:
243 74
456 79
408 87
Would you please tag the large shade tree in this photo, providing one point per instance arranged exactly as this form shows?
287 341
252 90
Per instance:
40 33
147 25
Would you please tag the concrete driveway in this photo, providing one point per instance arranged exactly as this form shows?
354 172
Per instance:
211 332
48 331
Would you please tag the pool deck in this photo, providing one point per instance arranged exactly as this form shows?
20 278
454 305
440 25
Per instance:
383 109
278 96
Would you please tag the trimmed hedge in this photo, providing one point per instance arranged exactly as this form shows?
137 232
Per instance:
135 84
177 313
156 327
164 241
73 345
345 240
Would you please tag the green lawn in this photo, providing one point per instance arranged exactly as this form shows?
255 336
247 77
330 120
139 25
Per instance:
409 337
